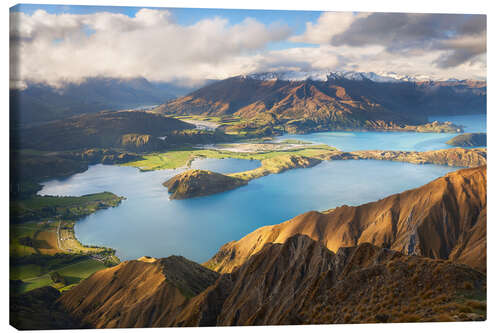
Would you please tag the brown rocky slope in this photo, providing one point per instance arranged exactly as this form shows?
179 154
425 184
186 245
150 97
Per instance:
302 282
298 282
137 293
305 106
445 219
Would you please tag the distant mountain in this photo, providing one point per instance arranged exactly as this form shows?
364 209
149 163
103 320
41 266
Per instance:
444 219
468 140
331 100
136 131
326 75
297 282
41 102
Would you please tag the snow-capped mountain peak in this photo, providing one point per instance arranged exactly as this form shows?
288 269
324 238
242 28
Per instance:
333 75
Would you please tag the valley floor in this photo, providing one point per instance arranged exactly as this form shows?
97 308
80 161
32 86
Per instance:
45 251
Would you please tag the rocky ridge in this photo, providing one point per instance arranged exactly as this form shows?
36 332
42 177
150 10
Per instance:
297 282
444 219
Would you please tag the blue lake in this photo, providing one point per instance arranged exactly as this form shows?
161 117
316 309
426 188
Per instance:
351 141
149 223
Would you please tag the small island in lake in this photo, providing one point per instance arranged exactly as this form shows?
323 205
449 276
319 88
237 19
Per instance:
197 183
468 140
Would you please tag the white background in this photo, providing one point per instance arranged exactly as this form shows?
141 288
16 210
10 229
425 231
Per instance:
425 6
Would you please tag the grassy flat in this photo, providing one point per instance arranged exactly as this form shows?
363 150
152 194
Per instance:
47 243
181 158
34 277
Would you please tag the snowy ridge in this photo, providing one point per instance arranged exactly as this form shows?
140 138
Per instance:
333 75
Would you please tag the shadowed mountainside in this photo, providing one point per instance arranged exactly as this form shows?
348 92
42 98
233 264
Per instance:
99 130
304 106
468 140
137 131
298 282
40 102
445 219
38 310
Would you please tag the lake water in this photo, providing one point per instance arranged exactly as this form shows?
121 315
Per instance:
351 141
149 223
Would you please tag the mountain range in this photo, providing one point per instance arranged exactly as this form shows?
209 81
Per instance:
296 101
301 102
297 282
39 102
136 131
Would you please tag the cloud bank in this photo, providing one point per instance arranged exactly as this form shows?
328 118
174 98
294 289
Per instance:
62 48
68 47
452 40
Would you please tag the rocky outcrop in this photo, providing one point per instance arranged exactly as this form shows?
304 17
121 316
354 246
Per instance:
197 183
137 293
458 157
140 142
444 219
468 140
297 282
104 156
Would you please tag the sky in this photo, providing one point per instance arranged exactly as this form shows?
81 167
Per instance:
55 44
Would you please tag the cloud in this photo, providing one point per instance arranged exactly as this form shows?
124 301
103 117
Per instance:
328 25
461 49
67 47
463 37
364 59
453 39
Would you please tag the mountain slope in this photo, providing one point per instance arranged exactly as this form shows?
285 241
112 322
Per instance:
38 310
297 282
334 103
40 102
468 140
444 219
302 282
101 130
138 293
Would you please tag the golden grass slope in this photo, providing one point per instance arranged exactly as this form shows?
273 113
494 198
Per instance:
137 293
445 219
297 282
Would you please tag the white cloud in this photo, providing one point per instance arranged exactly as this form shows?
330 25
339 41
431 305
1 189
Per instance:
328 25
433 45
67 47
